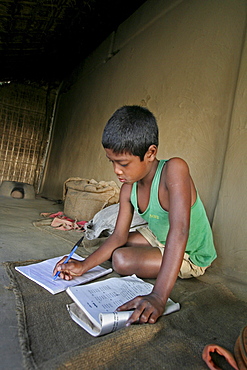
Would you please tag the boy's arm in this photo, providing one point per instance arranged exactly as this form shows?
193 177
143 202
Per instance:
117 239
178 184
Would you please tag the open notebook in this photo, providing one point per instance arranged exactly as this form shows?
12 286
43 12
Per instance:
95 304
42 274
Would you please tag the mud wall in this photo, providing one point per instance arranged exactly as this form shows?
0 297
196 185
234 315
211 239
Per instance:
182 60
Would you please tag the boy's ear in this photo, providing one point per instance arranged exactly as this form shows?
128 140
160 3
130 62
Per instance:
152 152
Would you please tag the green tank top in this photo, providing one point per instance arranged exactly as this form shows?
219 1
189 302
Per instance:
200 245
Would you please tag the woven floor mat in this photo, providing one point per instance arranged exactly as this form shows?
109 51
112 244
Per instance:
49 339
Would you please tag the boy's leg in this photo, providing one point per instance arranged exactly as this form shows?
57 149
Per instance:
187 270
137 257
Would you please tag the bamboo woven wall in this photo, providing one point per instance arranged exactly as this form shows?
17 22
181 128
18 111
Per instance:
25 113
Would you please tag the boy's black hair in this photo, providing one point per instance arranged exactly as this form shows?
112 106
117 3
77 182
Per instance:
131 129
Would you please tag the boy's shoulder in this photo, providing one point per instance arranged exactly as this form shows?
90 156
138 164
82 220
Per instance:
176 164
174 170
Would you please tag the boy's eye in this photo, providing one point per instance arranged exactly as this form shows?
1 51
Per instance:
120 164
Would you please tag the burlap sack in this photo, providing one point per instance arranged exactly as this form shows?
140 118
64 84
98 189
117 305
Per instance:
83 198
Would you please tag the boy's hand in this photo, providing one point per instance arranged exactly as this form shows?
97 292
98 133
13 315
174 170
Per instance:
147 309
68 270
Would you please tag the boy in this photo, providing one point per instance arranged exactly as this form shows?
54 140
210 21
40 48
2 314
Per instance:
178 240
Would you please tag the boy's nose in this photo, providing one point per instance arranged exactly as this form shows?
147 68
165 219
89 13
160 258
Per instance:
117 170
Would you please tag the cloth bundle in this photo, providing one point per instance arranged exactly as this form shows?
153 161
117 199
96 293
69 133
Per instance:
60 222
103 223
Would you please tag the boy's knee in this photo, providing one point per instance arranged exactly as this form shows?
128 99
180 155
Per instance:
119 261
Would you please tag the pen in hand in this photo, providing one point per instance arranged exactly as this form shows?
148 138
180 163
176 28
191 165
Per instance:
70 255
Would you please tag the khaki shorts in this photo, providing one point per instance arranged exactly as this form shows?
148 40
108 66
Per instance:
187 269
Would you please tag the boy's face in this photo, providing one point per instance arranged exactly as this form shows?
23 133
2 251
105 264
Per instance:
128 167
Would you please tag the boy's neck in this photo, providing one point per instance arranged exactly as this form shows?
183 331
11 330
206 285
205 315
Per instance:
147 180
